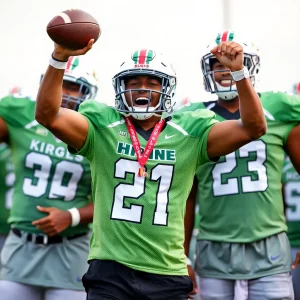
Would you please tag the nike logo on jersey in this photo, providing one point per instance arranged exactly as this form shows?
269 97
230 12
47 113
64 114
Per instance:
169 136
275 257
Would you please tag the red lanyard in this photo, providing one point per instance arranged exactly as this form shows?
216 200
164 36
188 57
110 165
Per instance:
143 158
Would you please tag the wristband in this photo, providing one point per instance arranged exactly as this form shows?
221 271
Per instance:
57 64
239 75
75 216
188 261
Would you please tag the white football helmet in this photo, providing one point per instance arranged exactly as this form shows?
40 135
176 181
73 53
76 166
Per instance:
87 82
251 62
145 62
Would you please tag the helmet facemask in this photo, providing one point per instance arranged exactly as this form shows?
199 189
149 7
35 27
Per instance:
85 81
251 62
154 67
126 106
85 91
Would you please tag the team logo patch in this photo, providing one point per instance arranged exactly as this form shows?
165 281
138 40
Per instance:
142 58
124 133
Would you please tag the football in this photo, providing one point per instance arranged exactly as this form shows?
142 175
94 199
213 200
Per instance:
73 29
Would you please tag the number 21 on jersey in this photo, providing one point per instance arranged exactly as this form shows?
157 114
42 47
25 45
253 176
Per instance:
161 173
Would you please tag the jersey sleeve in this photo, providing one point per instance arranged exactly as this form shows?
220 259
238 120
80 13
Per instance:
15 111
281 106
198 124
190 107
99 116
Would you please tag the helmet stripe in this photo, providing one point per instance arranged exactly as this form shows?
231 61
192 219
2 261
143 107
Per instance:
73 62
218 39
231 36
142 56
225 36
149 56
135 56
69 64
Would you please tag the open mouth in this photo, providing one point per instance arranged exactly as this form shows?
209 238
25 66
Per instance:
141 101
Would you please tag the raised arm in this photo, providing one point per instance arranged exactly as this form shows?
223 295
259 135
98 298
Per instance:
66 124
228 136
3 131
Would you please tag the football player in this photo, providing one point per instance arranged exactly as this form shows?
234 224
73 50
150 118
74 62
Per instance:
143 167
45 253
243 251
291 193
6 183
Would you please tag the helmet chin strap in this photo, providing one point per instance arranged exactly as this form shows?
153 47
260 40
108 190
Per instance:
224 93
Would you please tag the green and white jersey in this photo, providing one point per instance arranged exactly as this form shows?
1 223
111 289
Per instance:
139 221
7 178
240 196
291 188
46 174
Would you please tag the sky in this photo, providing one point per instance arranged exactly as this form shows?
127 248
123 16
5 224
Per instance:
181 30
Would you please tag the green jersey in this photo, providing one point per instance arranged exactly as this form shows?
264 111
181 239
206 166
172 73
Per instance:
291 188
139 221
6 186
46 174
240 196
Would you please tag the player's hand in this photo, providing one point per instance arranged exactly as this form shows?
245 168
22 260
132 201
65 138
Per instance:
63 54
56 221
193 278
296 261
229 54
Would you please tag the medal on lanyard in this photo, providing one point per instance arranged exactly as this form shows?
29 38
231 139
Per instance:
143 158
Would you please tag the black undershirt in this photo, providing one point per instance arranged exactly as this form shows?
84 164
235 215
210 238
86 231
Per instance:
147 133
222 111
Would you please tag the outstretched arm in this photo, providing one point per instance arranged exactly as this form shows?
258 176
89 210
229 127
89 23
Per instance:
228 136
68 125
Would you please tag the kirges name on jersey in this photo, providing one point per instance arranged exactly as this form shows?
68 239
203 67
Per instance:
46 173
138 221
240 197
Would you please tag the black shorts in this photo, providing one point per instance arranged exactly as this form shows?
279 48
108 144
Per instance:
107 279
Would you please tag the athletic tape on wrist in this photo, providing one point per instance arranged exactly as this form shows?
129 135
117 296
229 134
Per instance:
75 216
239 75
57 64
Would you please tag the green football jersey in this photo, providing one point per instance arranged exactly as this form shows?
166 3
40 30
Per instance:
139 221
240 196
46 173
291 188
6 186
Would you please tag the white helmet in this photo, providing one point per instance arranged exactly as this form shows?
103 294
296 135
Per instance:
145 62
251 62
86 80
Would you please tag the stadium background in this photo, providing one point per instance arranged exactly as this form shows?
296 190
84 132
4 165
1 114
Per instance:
180 29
